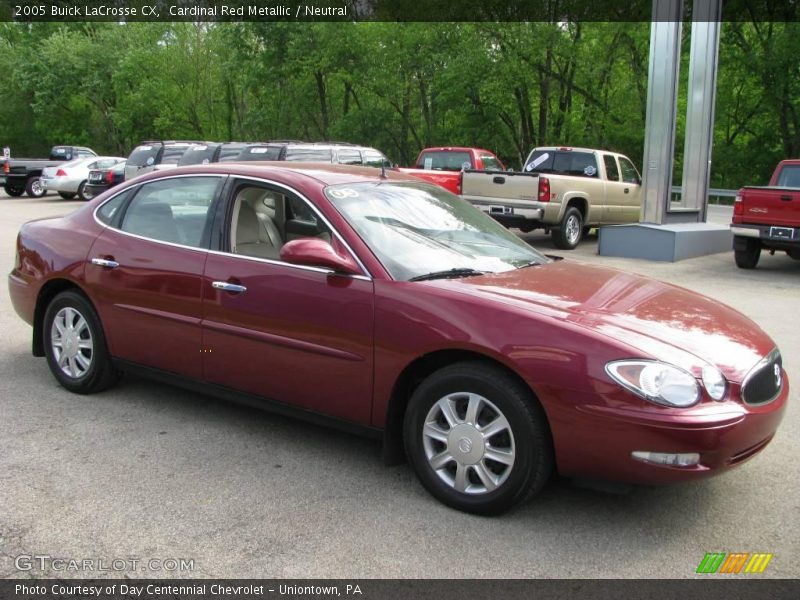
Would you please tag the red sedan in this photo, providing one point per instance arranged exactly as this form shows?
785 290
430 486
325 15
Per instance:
387 305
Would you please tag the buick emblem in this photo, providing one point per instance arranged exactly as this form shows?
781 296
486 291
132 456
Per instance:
777 369
465 444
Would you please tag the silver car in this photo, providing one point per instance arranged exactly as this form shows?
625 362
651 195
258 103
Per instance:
69 179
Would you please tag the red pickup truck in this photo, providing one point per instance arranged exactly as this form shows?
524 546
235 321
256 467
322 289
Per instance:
443 166
768 217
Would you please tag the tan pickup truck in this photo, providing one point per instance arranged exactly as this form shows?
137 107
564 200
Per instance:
565 191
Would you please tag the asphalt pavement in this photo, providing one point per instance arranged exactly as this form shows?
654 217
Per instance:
146 471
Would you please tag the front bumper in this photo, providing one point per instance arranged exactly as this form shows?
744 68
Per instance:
600 443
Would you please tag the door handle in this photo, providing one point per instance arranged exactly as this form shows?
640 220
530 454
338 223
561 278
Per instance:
102 262
627 190
786 198
499 180
228 287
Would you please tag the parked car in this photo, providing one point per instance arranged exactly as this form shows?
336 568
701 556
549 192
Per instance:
386 305
319 152
565 191
22 175
100 180
70 178
155 156
768 218
211 152
443 166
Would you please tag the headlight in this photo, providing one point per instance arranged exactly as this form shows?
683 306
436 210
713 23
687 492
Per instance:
655 381
714 382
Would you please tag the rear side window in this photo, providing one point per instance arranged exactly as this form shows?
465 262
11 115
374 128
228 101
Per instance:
174 210
444 161
789 176
490 163
309 154
373 158
349 157
260 153
629 172
110 209
198 155
611 167
578 164
144 156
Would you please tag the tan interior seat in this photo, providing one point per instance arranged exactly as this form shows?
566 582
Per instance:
254 235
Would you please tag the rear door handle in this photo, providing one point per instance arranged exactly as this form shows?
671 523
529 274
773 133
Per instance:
786 198
229 287
499 180
103 262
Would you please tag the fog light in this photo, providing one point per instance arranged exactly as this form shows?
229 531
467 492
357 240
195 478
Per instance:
688 459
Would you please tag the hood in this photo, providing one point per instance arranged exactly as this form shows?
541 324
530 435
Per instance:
663 321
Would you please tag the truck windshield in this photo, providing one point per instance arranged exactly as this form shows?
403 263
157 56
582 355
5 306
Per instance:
562 162
789 176
446 160
416 229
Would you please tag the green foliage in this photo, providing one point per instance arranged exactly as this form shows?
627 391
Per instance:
396 86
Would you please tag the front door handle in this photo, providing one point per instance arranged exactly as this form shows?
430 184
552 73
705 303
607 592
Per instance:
228 287
103 262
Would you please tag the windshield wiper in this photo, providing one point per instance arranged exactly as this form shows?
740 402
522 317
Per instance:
449 274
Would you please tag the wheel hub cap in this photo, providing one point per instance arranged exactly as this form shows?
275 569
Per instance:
468 443
71 342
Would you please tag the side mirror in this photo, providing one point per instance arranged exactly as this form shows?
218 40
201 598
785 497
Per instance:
314 252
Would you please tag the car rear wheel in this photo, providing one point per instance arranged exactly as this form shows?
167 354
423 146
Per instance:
747 257
82 191
75 345
14 191
66 195
477 438
34 188
567 234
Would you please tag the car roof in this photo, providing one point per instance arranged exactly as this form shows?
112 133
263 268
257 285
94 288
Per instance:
324 173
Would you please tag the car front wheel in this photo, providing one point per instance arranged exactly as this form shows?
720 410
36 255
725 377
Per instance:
477 438
75 345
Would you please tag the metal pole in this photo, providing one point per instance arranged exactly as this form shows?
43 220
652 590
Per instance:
700 106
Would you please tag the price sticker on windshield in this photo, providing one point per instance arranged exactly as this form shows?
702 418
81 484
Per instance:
344 193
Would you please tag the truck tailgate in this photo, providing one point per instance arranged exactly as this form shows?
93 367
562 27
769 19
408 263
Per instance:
501 185
770 206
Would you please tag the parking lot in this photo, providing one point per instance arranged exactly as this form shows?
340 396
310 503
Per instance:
154 472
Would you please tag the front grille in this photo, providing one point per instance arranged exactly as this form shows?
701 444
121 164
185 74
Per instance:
765 381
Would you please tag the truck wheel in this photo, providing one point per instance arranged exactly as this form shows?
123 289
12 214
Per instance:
66 196
567 234
34 187
747 258
14 191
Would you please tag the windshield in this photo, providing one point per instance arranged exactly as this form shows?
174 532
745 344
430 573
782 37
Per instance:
144 155
416 229
260 153
200 154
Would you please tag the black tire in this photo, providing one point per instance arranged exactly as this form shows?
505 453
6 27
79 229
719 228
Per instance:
34 188
529 439
747 258
100 373
567 234
66 195
81 192
13 190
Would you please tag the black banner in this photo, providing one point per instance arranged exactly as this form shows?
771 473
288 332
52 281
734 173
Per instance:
552 11
707 588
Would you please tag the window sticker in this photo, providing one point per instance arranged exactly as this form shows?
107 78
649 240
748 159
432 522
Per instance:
536 162
427 163
590 171
144 148
344 193
259 150
198 148
150 160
